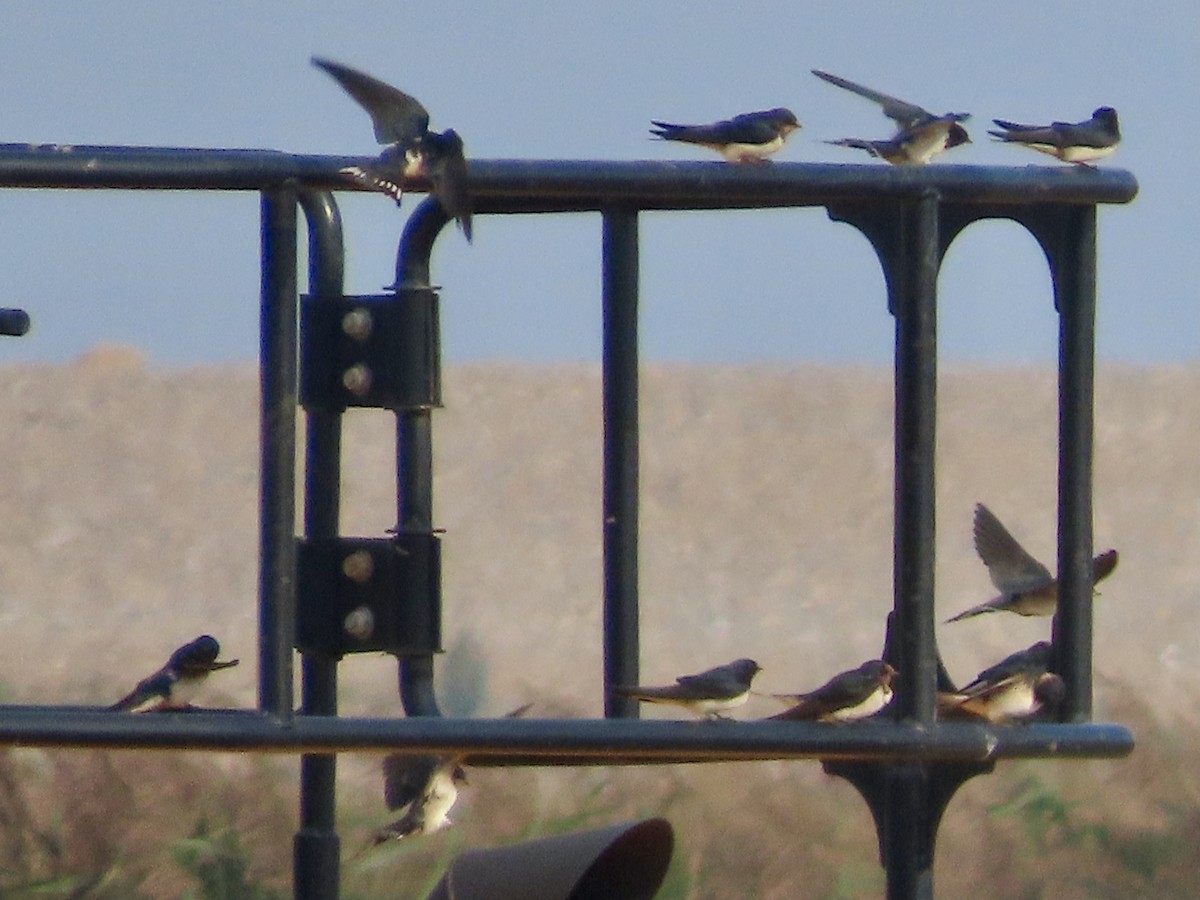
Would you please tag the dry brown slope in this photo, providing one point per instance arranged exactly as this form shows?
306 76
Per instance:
129 520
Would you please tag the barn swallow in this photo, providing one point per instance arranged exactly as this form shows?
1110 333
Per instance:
1018 688
173 686
706 693
413 151
748 138
1035 658
1026 586
920 135
1073 142
846 697
425 783
427 786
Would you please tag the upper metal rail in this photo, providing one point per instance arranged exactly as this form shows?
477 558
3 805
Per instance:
568 185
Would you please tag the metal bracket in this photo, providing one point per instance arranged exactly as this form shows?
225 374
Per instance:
380 351
907 803
357 595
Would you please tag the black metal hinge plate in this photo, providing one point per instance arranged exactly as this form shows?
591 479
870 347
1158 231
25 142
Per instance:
358 595
370 350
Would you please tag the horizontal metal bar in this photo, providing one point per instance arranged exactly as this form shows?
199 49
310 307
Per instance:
541 742
502 185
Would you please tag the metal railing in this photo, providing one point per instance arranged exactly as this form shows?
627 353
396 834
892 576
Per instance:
906 769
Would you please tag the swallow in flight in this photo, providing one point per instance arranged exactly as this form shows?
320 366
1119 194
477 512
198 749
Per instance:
920 135
425 786
1026 586
413 151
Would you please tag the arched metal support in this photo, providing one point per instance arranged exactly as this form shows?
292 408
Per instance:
316 847
1067 236
905 237
907 803
1073 261
911 240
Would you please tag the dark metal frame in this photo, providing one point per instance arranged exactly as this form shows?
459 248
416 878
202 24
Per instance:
908 767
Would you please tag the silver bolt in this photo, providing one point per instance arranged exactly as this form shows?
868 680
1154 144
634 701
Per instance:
358 323
357 379
359 623
358 566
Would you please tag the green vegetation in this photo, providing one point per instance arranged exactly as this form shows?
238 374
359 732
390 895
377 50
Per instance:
199 827
219 863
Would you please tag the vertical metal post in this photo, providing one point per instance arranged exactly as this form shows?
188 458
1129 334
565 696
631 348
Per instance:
316 849
414 446
914 305
620 362
414 470
907 800
414 512
908 833
1075 296
278 385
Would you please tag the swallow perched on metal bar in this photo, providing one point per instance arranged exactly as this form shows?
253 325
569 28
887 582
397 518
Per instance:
1073 142
173 686
1016 689
1026 586
427 784
748 138
920 135
413 150
706 694
846 697
1035 658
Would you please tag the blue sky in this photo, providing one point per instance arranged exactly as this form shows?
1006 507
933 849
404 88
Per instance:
176 274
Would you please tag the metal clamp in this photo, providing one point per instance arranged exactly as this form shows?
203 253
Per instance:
357 595
379 351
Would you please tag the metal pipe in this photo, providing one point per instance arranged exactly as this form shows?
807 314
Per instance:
13 322
556 741
563 185
620 505
912 284
414 446
914 304
1075 298
421 230
416 686
277 372
326 255
316 847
